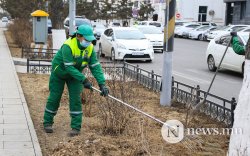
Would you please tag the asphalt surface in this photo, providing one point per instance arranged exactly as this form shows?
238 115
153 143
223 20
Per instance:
190 67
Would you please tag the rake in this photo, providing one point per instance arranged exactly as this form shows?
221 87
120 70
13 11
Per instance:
206 94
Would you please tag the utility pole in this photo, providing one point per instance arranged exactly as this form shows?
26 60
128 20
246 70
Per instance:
47 6
166 83
72 14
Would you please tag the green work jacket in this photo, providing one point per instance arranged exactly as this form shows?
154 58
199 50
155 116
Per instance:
237 47
72 58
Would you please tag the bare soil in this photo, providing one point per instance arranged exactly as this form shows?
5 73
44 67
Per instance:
141 136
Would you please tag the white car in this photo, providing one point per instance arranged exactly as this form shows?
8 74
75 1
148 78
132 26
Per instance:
125 43
232 61
199 33
5 19
155 36
185 29
150 23
224 30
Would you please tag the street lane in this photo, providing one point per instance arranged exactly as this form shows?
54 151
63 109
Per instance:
190 67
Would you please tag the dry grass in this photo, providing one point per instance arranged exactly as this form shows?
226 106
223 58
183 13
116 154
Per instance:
140 136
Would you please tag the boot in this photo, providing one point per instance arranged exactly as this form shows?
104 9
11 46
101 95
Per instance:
48 129
73 132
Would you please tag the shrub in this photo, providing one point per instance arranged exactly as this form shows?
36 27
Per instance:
21 32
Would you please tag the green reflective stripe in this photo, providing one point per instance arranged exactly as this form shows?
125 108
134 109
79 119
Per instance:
76 112
50 111
56 67
93 65
69 64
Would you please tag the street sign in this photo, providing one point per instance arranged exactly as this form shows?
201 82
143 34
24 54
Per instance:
178 15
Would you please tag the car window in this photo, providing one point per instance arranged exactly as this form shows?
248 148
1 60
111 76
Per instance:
155 24
224 40
106 32
247 30
110 33
236 28
193 26
203 28
129 34
67 22
143 23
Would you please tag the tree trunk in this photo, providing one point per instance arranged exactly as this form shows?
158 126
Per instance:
240 136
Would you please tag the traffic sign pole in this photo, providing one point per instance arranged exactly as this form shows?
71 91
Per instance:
166 83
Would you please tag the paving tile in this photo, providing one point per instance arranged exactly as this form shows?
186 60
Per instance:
1 144
17 152
1 119
15 138
16 111
16 132
12 101
17 145
13 126
14 120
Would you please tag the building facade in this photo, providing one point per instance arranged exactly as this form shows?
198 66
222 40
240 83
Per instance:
195 10
191 10
237 12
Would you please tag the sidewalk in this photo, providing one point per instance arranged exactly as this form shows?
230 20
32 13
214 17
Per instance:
17 133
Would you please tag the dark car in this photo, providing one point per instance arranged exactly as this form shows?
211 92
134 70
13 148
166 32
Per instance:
49 26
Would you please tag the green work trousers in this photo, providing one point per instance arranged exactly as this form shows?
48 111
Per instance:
56 87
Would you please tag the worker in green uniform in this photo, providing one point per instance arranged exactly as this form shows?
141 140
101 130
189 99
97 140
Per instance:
76 53
237 47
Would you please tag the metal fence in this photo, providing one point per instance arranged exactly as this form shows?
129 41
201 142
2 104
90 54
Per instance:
38 53
215 106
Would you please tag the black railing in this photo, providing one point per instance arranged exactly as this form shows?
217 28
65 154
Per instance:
214 106
38 53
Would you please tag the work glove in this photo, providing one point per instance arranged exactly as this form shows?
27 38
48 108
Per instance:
233 34
87 84
104 90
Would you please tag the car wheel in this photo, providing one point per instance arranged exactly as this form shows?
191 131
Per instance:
113 54
100 50
200 37
211 63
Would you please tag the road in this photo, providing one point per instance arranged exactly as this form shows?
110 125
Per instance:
190 67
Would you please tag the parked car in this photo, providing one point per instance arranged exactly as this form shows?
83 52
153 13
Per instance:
232 61
208 23
125 43
5 19
224 30
199 33
155 36
49 26
179 23
79 20
98 29
185 29
148 23
115 24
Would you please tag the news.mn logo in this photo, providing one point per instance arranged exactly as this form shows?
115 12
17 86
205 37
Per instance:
172 131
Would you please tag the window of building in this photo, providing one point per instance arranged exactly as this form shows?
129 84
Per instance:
202 16
242 10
